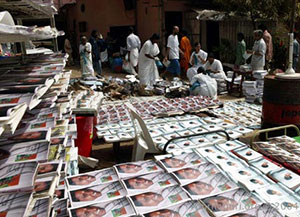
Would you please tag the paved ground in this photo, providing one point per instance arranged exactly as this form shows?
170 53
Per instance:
104 151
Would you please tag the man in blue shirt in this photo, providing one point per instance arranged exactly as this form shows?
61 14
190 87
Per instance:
296 50
95 52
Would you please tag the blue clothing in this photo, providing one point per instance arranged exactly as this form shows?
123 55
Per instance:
196 84
296 52
95 49
97 67
174 67
102 45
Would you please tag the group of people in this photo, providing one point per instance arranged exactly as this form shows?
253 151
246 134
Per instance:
262 51
202 69
92 52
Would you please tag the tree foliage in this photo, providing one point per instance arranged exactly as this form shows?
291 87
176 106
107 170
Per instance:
277 10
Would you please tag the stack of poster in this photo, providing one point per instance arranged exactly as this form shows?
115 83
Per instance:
85 101
38 152
208 182
129 189
253 90
240 113
250 91
259 76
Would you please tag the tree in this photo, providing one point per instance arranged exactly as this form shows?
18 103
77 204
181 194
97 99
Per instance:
256 10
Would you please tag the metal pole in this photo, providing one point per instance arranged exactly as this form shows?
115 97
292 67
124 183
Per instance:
23 47
290 72
55 44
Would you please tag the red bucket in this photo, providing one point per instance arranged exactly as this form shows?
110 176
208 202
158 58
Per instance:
84 135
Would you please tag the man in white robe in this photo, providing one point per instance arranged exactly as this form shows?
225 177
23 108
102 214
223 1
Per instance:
203 85
147 70
133 46
86 62
258 51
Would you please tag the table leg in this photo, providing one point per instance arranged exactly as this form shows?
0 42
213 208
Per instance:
241 86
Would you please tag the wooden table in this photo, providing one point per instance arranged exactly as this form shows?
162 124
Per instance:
236 73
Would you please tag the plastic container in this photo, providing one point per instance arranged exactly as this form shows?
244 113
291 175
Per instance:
117 64
84 135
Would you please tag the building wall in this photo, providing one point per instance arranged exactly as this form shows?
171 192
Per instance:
103 14
100 15
148 18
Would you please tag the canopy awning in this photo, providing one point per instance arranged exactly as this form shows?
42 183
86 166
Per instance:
214 15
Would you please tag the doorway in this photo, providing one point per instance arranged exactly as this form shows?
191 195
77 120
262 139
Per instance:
212 36
172 18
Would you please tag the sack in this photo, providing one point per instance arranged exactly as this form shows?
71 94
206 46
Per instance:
126 67
159 64
104 56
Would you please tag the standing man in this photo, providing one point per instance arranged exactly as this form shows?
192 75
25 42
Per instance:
86 62
240 50
133 46
269 44
148 72
185 46
258 51
95 52
296 51
173 53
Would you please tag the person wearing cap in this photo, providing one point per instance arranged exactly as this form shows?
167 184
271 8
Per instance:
258 51
147 69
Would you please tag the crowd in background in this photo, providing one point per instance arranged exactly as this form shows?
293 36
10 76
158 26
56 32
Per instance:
204 72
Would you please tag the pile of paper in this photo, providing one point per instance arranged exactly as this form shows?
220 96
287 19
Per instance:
249 91
210 181
253 90
9 34
240 113
259 76
40 152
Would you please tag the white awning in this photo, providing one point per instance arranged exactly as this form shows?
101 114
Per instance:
210 15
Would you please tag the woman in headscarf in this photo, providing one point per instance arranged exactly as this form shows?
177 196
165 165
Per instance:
85 51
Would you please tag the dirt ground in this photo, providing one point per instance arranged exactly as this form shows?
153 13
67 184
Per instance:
105 152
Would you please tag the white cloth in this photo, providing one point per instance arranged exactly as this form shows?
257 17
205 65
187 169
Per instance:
215 66
133 42
196 57
104 56
147 71
134 56
190 73
133 46
86 59
258 62
208 86
173 44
